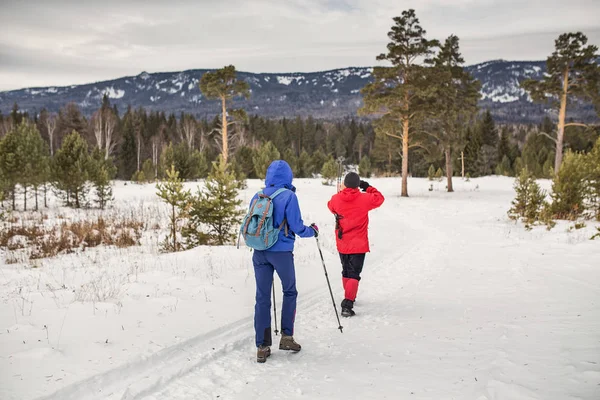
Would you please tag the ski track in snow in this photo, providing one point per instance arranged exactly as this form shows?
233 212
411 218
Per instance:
455 303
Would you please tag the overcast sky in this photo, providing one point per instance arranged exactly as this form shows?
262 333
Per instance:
54 42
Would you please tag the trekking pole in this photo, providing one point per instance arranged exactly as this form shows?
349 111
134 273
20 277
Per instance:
275 309
340 327
340 161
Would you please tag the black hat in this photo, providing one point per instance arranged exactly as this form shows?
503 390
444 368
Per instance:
352 180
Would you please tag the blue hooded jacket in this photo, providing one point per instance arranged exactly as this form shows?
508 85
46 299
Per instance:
285 206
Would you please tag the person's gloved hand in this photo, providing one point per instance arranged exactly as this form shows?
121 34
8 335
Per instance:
315 228
364 185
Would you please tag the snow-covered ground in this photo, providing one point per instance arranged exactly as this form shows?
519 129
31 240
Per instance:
456 302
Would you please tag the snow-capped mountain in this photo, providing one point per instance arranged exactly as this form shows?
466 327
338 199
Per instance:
328 94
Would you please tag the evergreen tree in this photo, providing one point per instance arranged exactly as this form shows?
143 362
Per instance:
304 167
529 201
386 153
171 192
329 171
127 153
487 127
190 164
518 166
148 171
222 85
216 207
290 157
318 159
569 188
473 144
30 152
11 163
503 146
537 150
455 101
263 158
431 172
592 168
364 167
101 171
37 162
486 160
244 165
139 177
103 187
70 170
199 164
439 174
401 92
504 167
571 72
70 119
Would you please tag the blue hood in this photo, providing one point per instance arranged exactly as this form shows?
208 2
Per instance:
279 175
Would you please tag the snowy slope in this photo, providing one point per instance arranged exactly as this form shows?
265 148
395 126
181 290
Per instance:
457 302
327 94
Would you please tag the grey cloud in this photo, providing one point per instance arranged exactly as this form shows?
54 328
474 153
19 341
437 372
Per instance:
46 40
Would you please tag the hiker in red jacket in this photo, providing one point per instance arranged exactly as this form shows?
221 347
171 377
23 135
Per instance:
351 209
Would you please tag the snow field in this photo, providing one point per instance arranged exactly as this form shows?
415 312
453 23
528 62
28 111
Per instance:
456 302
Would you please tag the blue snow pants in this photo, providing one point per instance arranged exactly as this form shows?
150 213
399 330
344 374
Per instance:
265 262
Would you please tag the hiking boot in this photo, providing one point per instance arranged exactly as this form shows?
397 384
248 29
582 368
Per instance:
347 312
288 343
262 353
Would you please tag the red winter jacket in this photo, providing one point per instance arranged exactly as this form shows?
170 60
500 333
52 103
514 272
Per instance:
352 207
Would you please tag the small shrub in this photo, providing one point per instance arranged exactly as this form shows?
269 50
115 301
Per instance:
45 242
568 188
431 172
364 167
178 200
529 202
138 177
329 172
439 174
216 208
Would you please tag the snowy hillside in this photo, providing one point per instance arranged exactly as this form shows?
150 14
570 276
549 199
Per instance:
329 94
456 302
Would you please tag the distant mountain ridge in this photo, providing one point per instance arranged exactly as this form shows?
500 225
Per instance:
330 94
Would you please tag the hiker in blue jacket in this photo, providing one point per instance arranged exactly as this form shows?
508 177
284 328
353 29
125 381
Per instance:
280 258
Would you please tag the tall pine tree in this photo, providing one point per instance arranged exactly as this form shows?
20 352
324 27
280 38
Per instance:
456 98
400 93
571 72
222 85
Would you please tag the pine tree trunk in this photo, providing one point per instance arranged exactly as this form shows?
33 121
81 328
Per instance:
462 161
14 196
46 195
173 222
36 198
405 126
139 151
449 169
224 130
360 151
25 198
76 198
561 122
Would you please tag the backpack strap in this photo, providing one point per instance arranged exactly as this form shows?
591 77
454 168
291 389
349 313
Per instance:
277 193
284 223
